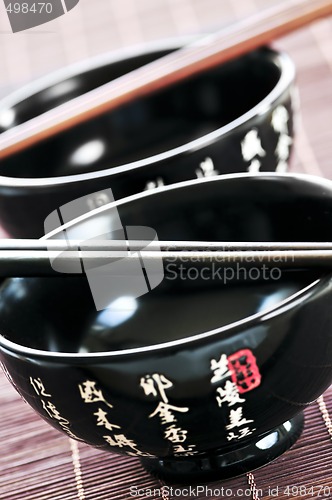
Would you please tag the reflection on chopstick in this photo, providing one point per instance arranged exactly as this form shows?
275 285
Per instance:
33 257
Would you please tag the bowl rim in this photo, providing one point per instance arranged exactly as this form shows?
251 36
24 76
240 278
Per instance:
286 80
256 319
295 299
307 178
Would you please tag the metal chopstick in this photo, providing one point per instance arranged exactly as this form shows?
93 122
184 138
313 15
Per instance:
119 245
33 257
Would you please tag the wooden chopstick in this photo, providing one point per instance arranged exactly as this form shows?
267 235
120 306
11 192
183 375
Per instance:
169 70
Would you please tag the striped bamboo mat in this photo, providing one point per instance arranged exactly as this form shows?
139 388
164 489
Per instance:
38 463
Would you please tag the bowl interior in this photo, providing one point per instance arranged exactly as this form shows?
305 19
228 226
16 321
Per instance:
239 207
152 125
58 314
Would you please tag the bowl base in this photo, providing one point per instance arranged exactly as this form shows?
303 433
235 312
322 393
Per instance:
218 465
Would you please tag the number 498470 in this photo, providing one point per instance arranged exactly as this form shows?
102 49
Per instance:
25 8
317 491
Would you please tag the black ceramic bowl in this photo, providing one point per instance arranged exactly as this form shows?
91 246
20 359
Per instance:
200 378
231 119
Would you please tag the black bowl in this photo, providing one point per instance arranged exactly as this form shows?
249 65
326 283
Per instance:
236 117
202 378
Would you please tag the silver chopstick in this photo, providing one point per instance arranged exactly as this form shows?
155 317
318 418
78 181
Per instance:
34 257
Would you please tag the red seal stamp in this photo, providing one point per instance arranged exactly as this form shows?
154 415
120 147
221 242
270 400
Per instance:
245 372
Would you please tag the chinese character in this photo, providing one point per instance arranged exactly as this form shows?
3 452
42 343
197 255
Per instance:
102 420
254 166
220 369
175 434
246 431
236 419
120 441
282 167
154 184
138 453
231 436
283 147
39 387
280 117
152 384
52 411
90 394
229 394
252 146
189 451
165 412
73 436
206 169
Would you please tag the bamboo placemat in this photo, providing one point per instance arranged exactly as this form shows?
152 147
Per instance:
38 463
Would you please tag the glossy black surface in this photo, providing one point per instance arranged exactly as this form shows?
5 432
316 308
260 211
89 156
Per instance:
264 207
145 128
221 465
229 102
128 323
276 336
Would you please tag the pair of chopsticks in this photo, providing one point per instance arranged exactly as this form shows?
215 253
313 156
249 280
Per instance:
189 61
34 257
